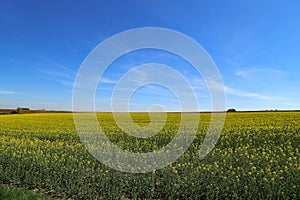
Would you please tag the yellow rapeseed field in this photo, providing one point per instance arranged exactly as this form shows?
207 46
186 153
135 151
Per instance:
256 157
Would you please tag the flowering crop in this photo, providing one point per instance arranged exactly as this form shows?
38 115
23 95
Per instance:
256 157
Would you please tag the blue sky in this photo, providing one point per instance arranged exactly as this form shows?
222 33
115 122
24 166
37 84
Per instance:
255 45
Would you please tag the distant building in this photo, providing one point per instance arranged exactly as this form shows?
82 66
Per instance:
19 110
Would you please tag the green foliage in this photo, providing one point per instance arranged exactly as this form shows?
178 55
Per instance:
12 193
256 157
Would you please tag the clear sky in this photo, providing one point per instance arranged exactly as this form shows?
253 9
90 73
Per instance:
255 45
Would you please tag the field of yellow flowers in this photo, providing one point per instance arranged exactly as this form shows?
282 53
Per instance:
256 157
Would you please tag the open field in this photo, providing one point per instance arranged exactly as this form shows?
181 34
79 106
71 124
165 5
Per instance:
256 157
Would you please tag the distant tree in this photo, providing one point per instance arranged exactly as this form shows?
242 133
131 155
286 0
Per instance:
231 110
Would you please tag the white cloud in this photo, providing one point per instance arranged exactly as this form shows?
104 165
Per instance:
250 73
107 80
242 93
6 92
60 74
198 84
228 90
66 83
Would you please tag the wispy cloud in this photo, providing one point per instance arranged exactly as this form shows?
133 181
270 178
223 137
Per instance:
242 93
61 74
237 92
251 73
6 92
107 80
198 84
66 83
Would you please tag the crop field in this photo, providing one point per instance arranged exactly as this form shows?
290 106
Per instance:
256 157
